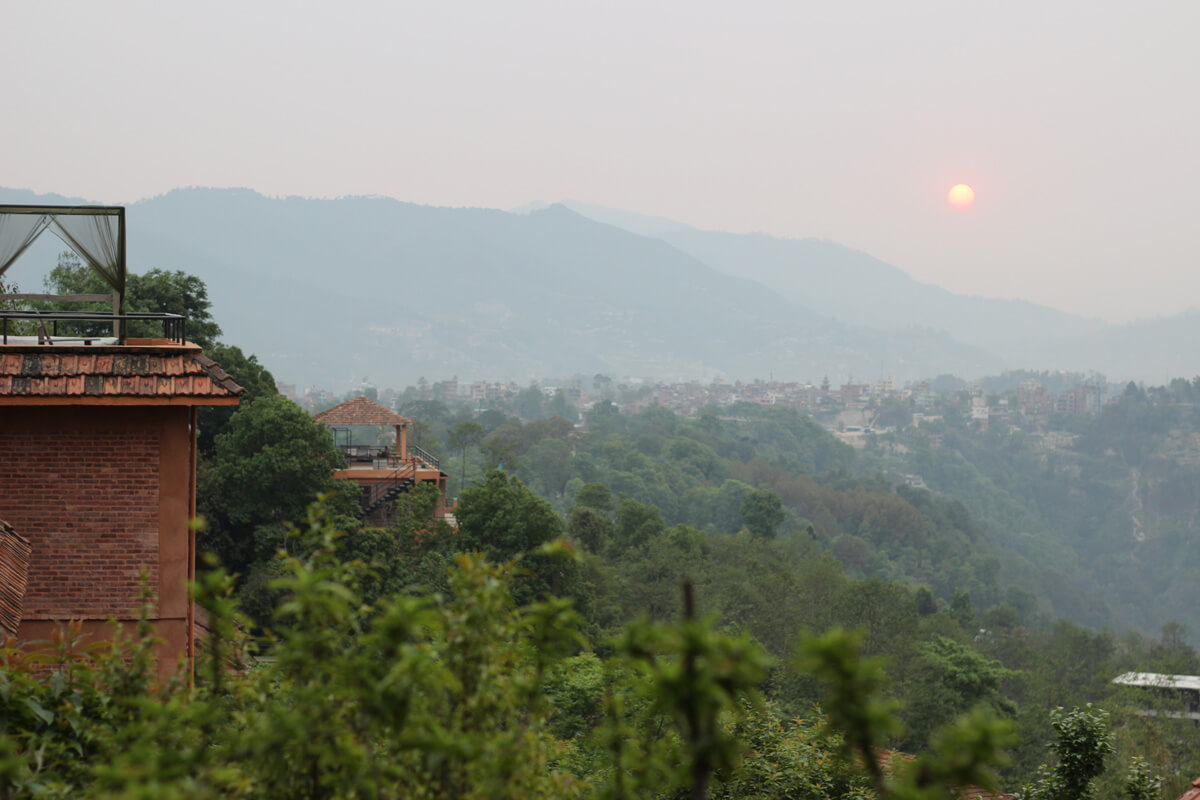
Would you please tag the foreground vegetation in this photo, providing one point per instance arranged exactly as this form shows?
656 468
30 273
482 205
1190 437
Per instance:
472 694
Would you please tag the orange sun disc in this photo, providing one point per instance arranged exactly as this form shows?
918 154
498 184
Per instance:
961 196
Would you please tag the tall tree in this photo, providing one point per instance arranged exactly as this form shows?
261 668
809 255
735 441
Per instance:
463 435
762 512
250 375
502 517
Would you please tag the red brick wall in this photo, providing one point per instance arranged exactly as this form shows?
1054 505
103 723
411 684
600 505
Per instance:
87 498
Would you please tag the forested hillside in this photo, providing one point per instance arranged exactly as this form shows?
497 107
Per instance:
625 480
698 472
1109 502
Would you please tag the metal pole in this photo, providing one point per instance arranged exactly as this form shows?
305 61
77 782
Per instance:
124 271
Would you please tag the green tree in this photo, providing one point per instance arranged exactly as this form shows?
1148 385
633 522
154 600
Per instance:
550 460
595 496
588 528
637 523
605 418
603 386
503 446
964 754
1082 744
502 517
762 512
560 406
530 402
963 610
272 461
894 413
1140 782
950 680
698 679
247 373
926 604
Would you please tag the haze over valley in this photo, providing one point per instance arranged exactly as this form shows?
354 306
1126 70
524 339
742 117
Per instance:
331 291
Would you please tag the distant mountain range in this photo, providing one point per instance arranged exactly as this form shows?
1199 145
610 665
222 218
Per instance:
859 289
329 291
855 287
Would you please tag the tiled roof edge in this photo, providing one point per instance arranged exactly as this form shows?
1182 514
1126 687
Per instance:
353 410
218 375
11 531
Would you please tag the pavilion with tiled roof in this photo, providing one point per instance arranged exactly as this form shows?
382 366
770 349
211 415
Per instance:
364 412
382 473
361 411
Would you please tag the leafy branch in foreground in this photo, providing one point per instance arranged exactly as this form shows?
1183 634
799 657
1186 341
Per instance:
962 754
696 677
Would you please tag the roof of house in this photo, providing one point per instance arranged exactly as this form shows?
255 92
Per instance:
977 793
14 572
1192 793
887 759
101 375
1158 680
360 411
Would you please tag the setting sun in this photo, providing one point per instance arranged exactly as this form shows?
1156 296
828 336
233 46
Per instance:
961 196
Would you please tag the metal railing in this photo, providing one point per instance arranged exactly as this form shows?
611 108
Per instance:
174 326
375 495
363 452
414 450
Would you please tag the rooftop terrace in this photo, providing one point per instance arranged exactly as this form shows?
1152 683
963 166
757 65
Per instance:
97 235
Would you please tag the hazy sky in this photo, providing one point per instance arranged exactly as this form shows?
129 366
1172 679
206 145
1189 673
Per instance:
1078 124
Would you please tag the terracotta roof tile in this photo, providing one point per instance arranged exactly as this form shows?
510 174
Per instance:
360 411
14 573
1192 793
44 371
888 759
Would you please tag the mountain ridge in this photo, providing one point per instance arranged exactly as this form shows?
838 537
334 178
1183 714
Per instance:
808 269
329 290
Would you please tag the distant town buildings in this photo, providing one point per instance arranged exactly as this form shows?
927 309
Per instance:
1030 403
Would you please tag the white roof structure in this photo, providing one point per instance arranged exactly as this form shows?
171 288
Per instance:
1190 684
1158 680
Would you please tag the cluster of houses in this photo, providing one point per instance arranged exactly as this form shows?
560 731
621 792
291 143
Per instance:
1031 402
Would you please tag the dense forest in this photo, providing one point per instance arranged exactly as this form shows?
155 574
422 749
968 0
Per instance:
1107 502
631 605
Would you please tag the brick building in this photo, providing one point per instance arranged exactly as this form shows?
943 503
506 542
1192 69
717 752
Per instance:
98 473
97 446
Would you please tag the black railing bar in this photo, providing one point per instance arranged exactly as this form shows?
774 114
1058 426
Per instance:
174 325
91 315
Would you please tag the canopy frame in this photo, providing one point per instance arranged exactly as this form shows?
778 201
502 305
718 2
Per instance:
105 257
